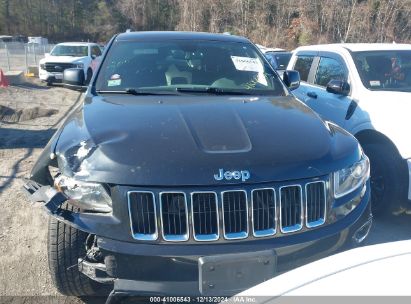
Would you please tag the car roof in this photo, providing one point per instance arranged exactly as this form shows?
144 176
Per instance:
265 49
78 43
356 47
172 35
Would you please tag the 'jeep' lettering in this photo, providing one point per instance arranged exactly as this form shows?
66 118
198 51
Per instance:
228 175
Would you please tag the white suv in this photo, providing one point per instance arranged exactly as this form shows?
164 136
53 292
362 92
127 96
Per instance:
69 55
366 89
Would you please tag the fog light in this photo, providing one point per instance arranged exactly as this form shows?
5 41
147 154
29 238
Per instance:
361 234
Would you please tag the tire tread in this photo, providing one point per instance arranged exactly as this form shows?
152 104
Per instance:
65 245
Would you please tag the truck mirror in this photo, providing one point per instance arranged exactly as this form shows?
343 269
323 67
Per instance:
74 79
338 87
291 79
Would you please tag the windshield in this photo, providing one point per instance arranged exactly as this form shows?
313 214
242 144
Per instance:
384 70
189 66
70 50
278 60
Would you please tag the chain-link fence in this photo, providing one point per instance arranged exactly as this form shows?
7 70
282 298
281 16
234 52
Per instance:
17 56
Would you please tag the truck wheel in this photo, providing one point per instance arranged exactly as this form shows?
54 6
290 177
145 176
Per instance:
386 181
65 246
89 75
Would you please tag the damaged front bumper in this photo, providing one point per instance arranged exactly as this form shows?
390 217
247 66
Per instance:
135 266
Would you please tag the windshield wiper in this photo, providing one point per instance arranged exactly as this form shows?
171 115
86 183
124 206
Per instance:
133 91
212 90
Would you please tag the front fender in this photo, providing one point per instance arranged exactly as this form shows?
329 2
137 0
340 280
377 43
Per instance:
400 142
40 172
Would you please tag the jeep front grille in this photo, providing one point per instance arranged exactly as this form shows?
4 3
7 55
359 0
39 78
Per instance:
234 214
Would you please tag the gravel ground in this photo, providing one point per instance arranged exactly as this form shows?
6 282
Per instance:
28 117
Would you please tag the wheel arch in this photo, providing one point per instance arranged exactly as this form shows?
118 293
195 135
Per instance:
370 136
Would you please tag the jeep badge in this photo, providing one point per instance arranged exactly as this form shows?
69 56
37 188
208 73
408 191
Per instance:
227 175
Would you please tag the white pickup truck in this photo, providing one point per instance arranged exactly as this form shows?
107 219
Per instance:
69 55
366 89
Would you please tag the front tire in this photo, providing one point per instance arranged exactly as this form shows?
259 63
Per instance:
386 180
65 246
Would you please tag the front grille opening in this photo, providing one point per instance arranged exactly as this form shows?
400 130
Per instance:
264 213
205 216
142 210
174 216
291 208
316 204
235 214
57 67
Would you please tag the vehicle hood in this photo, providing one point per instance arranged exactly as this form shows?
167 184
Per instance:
389 113
376 270
186 139
62 59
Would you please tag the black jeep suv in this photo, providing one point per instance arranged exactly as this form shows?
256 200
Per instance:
190 169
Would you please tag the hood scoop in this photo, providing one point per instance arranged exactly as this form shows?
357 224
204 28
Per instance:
221 131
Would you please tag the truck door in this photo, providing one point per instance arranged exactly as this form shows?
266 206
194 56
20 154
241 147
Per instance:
329 106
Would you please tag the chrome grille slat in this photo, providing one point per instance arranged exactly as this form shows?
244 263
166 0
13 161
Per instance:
315 208
235 214
143 216
263 212
291 208
204 211
174 216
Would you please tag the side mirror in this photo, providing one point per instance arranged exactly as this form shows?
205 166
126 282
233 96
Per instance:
291 79
338 87
93 56
74 79
46 54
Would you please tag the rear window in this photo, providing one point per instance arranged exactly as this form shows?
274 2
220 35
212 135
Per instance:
303 66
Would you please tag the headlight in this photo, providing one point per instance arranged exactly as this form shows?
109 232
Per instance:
85 195
79 65
42 66
349 179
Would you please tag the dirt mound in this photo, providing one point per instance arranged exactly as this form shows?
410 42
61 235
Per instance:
10 115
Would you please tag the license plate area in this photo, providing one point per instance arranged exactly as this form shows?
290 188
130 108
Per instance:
229 274
58 76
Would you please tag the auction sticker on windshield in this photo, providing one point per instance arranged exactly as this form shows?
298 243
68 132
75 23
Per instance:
247 64
115 80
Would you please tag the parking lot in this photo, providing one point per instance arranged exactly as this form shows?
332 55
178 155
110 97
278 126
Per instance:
19 56
29 115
